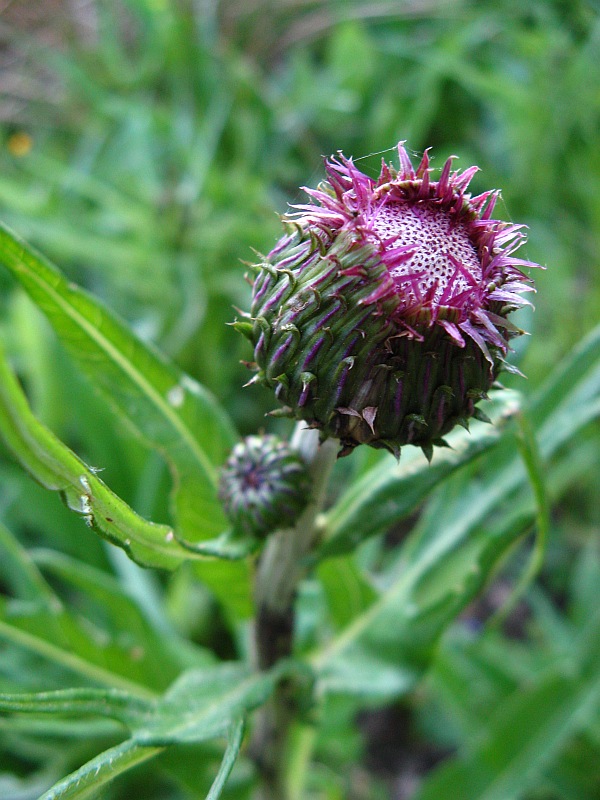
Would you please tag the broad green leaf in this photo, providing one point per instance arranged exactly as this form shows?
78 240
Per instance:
203 703
57 468
166 407
389 491
527 732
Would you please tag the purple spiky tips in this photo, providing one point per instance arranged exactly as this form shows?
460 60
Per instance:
380 317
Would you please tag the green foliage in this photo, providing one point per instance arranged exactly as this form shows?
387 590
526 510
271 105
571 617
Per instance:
144 149
533 714
173 413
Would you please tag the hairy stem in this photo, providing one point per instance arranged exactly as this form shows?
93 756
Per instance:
280 570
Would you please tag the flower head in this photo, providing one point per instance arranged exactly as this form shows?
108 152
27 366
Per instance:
381 317
264 485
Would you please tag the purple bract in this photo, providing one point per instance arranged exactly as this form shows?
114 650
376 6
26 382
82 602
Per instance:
449 262
381 316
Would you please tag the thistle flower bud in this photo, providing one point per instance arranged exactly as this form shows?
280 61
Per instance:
264 485
381 316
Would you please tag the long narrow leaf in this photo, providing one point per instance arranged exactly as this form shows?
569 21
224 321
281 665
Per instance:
523 738
169 410
532 460
57 468
85 782
113 703
64 640
202 704
21 573
234 744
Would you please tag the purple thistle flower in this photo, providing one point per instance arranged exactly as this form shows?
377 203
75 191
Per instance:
381 318
264 485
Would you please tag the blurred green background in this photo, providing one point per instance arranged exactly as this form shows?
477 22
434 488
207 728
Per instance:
147 146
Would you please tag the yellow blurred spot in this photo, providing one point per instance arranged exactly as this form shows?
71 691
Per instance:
19 143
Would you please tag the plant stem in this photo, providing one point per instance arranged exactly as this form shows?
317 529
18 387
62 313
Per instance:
280 570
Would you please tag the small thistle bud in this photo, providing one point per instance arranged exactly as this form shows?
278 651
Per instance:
381 316
264 485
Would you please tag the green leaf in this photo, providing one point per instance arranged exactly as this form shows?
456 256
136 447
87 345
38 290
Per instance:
68 641
532 461
583 360
116 704
586 581
348 593
450 556
85 782
570 398
203 703
359 672
234 744
20 572
568 401
159 653
167 408
527 732
105 638
388 492
57 468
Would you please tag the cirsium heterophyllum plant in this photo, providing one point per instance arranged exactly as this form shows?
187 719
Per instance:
372 328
